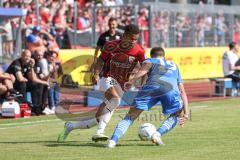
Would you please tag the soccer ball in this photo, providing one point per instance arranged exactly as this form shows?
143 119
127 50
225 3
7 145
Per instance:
146 131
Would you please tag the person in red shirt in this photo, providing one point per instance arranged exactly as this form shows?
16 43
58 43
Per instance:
122 59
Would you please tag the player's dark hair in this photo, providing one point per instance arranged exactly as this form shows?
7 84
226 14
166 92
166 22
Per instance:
132 29
232 45
156 50
111 20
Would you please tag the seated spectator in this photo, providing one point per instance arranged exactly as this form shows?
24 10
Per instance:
23 71
229 60
42 70
6 86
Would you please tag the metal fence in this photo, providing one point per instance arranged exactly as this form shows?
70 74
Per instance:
168 25
161 24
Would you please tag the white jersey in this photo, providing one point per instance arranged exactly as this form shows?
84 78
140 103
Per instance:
229 58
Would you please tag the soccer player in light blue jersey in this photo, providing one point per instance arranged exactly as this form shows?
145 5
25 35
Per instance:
164 84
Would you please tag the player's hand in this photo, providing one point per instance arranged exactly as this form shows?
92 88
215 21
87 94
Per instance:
12 78
127 86
183 119
24 79
95 79
32 62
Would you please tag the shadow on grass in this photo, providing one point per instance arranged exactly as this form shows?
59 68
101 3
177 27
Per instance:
130 142
70 144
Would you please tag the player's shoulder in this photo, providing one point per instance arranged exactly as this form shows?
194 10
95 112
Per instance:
139 47
113 41
104 34
151 60
118 33
17 62
110 46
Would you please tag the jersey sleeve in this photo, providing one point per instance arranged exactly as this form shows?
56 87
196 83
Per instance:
104 55
101 41
16 67
179 77
232 59
141 55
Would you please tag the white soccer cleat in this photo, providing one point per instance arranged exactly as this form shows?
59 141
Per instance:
111 144
99 137
48 111
156 138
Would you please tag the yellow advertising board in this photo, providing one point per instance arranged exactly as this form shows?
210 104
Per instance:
194 63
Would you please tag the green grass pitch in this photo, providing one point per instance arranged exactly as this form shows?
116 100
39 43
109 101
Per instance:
212 134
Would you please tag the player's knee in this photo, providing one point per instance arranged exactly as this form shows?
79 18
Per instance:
130 117
3 89
179 113
113 103
134 113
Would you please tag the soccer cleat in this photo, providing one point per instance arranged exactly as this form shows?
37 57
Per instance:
67 129
99 137
111 144
48 111
156 138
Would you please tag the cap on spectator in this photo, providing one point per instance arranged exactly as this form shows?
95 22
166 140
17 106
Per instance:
53 32
31 38
37 28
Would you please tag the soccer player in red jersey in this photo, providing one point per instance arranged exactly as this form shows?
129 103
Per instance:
122 58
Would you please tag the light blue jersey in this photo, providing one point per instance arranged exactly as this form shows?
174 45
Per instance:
163 72
161 86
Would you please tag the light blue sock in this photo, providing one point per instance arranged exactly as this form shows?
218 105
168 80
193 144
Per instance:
168 124
121 128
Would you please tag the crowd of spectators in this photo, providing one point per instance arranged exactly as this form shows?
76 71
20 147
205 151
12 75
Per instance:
36 72
170 29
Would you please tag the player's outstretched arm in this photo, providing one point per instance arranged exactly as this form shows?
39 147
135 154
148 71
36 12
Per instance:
97 69
142 71
184 118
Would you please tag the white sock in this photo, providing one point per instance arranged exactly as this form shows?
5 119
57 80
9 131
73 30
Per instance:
85 124
103 121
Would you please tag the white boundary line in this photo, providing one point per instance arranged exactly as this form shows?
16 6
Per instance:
24 124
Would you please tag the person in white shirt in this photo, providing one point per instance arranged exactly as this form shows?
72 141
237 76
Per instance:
229 60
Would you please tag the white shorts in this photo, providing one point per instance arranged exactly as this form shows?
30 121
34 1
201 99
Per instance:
106 83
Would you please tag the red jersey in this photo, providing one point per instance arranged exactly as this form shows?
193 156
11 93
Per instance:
121 58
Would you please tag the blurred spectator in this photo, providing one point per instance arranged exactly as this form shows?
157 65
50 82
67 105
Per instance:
209 32
109 3
220 29
179 28
8 39
25 76
83 21
161 28
54 86
236 33
59 19
183 30
36 42
143 25
52 43
229 60
200 31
